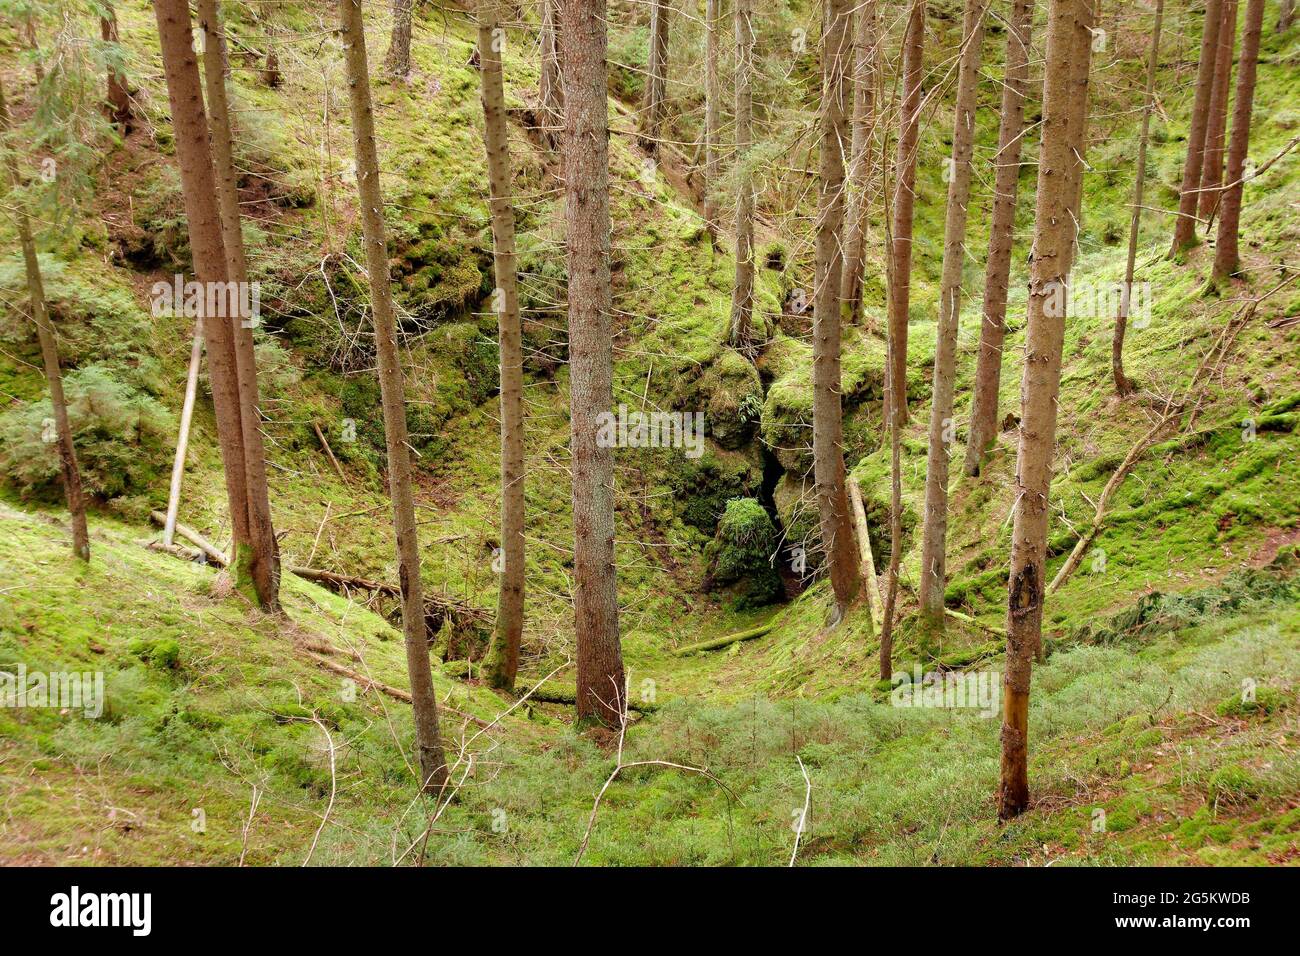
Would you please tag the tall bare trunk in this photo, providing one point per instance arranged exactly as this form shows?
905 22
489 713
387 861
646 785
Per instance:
1002 228
828 454
262 557
656 80
1044 338
49 351
900 291
1185 224
1216 131
550 88
943 433
1286 16
433 766
398 59
1077 118
742 291
601 685
118 96
199 190
866 30
712 111
1122 384
1227 259
503 657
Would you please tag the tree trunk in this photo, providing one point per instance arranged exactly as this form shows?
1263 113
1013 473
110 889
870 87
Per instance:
397 61
1122 384
433 766
502 662
183 434
207 249
656 80
900 290
1227 259
1002 228
1216 131
712 112
742 292
49 352
828 454
601 689
550 88
118 96
1044 338
1185 224
943 433
1286 16
1077 118
866 31
262 558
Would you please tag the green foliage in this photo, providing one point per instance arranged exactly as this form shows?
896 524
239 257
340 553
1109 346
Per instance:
742 553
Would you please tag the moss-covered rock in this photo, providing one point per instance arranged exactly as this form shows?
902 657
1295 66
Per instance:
702 487
740 556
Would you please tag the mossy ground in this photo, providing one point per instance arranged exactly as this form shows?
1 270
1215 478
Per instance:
1139 730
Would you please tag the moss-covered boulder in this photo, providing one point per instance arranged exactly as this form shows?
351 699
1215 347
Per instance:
702 487
741 555
733 399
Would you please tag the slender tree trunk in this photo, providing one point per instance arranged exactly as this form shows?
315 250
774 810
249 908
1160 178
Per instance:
1122 384
828 454
900 292
1227 259
1185 224
1077 118
183 434
49 351
1044 338
397 61
866 31
1285 16
601 688
550 92
656 80
742 293
199 190
433 766
943 433
262 558
1002 229
503 657
1216 131
118 97
712 112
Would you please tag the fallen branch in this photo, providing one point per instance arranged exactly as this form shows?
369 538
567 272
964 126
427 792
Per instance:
329 451
367 683
874 602
565 697
210 550
717 642
973 622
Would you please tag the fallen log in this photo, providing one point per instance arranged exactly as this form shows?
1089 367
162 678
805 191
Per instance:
366 683
571 699
967 619
210 550
718 642
874 603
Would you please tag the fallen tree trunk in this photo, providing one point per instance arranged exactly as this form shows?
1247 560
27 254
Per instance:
366 683
717 642
874 603
571 699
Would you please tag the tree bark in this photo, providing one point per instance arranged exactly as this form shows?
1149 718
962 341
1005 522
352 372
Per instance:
1122 384
397 61
1185 224
118 96
502 663
1002 228
1286 16
183 434
742 292
900 290
207 249
601 689
1044 338
262 558
1227 258
1077 118
49 350
550 89
828 454
1216 131
866 30
712 112
656 79
942 430
433 766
